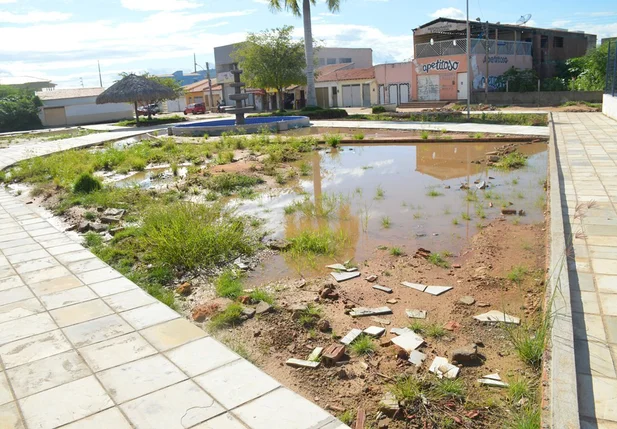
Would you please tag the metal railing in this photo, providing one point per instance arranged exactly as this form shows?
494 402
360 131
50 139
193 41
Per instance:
611 69
459 46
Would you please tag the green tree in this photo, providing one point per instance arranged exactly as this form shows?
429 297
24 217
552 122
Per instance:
19 109
305 11
169 82
519 80
588 73
272 59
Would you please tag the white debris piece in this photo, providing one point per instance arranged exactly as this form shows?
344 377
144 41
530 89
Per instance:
341 277
415 286
299 363
497 316
339 267
363 311
400 331
416 357
380 320
314 356
382 288
375 331
443 368
437 290
351 336
491 381
409 341
416 314
493 377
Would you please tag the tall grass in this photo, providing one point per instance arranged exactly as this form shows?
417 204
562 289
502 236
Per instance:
229 285
323 241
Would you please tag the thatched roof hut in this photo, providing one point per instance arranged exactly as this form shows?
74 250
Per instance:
135 89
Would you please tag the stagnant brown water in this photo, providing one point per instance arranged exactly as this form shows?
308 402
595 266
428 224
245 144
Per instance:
406 173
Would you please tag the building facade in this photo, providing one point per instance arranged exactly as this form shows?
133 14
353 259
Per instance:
188 78
341 85
394 83
442 63
28 82
360 58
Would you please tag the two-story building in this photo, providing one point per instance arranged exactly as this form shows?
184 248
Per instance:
442 60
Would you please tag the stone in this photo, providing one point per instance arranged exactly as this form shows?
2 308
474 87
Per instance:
363 311
332 354
110 219
184 289
323 325
388 403
351 336
466 355
483 304
116 230
380 320
241 265
443 368
341 277
278 244
315 354
401 353
114 212
300 363
248 312
297 310
83 227
382 288
392 301
497 316
408 341
481 185
263 307
508 211
416 357
456 265
98 227
203 311
467 300
375 331
372 278
416 314
451 325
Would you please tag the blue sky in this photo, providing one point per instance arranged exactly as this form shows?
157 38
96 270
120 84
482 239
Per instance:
63 39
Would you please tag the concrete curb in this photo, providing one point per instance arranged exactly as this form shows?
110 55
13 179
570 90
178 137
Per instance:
559 367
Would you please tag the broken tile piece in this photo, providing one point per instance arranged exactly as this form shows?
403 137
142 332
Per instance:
382 288
416 357
489 382
415 286
497 316
300 363
371 278
437 290
351 336
493 377
341 277
400 331
443 368
351 269
314 356
416 314
380 320
363 311
392 301
408 341
339 267
375 331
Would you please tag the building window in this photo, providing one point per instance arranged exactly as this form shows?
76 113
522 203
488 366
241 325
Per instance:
344 60
557 42
331 61
322 61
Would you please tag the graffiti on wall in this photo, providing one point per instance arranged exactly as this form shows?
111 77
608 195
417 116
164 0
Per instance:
496 60
440 65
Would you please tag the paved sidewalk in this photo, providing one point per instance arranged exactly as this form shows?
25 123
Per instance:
82 347
587 157
438 126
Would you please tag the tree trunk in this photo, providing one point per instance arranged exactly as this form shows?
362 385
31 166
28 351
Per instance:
279 98
311 97
136 115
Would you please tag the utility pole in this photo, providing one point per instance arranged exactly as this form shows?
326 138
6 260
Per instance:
195 63
100 78
468 65
486 52
209 85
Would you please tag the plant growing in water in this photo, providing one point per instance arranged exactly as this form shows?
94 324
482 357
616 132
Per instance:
385 222
379 193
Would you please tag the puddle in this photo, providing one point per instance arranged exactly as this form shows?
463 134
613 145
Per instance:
405 173
350 132
147 179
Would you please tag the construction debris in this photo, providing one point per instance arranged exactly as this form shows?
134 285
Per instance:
416 357
388 403
375 331
433 290
416 314
492 380
451 325
372 278
400 331
351 336
341 277
409 341
314 356
382 288
497 316
300 363
443 368
422 253
332 354
392 301
339 267
360 419
380 320
363 311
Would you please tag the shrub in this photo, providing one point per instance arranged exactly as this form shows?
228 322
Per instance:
327 114
311 109
18 109
378 109
86 183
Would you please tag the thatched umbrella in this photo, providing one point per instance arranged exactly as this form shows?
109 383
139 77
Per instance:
135 89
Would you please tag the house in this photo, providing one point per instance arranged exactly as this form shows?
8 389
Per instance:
341 85
199 92
358 57
77 106
28 82
394 82
440 64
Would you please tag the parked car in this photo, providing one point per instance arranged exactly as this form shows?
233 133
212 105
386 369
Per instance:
152 109
195 109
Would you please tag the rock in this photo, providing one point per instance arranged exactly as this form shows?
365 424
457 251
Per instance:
451 325
184 289
467 300
456 265
443 368
323 325
71 227
388 403
483 304
342 374
248 312
114 212
372 278
278 244
392 301
325 292
116 230
263 307
203 311
508 211
492 158
244 299
401 353
98 227
416 314
110 219
83 227
521 212
466 355
297 310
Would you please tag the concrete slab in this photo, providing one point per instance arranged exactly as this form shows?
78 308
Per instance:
201 356
408 341
341 277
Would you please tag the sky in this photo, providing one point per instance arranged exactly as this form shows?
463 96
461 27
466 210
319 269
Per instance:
62 40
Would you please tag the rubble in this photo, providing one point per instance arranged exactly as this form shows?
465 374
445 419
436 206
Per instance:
416 357
380 320
375 331
362 311
263 307
341 277
416 314
443 368
332 354
315 354
248 312
382 288
508 211
300 363
451 325
351 336
492 380
372 278
388 403
408 341
433 290
422 253
497 316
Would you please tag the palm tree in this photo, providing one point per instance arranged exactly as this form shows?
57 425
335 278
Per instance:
294 7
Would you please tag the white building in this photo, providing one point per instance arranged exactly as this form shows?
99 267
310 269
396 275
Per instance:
77 106
341 85
359 58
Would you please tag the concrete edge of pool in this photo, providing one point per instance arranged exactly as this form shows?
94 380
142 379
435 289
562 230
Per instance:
252 125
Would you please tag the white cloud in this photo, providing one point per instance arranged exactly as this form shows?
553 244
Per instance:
449 12
7 1
32 17
266 2
560 23
154 5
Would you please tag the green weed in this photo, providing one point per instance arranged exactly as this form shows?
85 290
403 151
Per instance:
424 135
396 251
86 183
434 193
465 216
455 221
92 239
363 345
305 168
438 260
385 222
262 295
228 285
517 274
89 215
230 317
358 136
512 161
446 388
323 241
333 140
379 193
529 340
347 417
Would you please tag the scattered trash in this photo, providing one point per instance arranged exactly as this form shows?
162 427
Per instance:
380 320
451 325
408 341
481 185
371 278
492 377
467 300
375 331
392 301
332 354
433 290
416 357
383 289
314 356
443 368
416 314
351 336
341 277
497 316
301 363
363 311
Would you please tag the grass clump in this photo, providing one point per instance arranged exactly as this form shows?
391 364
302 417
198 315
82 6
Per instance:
305 168
446 388
92 239
348 416
358 136
432 330
434 193
186 236
386 222
465 216
519 388
529 340
86 183
230 317
407 389
512 161
324 241
527 417
261 295
396 251
310 316
455 221
227 183
424 135
380 193
333 140
438 260
89 215
517 274
363 345
229 285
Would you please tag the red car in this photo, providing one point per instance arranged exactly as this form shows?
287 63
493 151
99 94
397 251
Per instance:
195 109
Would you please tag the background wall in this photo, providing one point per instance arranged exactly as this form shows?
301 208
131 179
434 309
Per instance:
544 98
609 106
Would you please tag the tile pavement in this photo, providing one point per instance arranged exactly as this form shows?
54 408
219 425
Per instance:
82 347
587 154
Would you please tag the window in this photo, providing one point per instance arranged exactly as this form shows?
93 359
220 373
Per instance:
344 60
557 42
331 61
322 61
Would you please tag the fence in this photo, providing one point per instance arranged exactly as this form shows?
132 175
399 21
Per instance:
611 69
459 46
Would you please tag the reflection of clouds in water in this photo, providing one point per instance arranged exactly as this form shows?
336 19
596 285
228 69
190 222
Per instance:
268 207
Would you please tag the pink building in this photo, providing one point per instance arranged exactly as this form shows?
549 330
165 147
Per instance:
394 82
